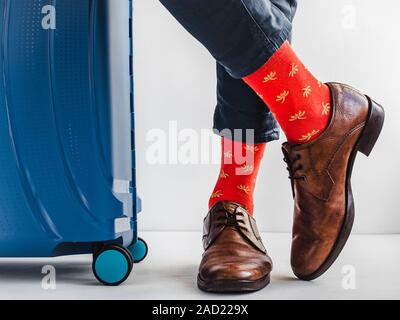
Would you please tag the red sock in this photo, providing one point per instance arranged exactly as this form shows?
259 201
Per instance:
239 169
301 104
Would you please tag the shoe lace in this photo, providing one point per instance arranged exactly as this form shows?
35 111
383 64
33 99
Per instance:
293 168
294 165
235 219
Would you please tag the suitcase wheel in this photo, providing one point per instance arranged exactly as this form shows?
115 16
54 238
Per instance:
112 265
139 250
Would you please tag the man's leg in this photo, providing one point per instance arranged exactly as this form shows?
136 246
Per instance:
235 258
239 109
249 38
240 34
241 116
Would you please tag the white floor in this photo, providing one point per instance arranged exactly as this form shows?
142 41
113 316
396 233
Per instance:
367 269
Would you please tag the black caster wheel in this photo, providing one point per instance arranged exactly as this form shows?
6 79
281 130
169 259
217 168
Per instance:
112 265
139 250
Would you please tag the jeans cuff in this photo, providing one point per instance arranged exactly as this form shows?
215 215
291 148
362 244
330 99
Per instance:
267 49
259 137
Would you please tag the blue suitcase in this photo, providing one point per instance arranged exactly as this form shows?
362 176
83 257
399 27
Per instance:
67 155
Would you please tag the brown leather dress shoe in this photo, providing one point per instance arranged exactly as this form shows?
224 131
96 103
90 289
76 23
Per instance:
321 171
235 259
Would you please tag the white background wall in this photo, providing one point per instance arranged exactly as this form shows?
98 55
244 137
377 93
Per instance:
352 41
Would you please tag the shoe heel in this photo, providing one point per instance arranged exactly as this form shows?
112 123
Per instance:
372 128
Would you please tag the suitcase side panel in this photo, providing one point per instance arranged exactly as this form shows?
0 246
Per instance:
20 230
60 126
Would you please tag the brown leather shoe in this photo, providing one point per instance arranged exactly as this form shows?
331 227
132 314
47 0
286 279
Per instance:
321 171
235 259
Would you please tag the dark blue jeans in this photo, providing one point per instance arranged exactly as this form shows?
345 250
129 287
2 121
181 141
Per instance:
241 35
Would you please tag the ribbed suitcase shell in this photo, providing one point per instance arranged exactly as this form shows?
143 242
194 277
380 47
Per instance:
66 127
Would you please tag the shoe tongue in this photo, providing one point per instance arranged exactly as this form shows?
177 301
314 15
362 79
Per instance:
290 148
229 207
286 147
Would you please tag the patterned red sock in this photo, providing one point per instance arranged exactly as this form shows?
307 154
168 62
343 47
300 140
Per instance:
239 169
301 104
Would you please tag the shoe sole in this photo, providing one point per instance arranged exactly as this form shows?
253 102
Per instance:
365 145
232 286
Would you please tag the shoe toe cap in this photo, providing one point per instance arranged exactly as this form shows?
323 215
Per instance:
308 257
235 269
